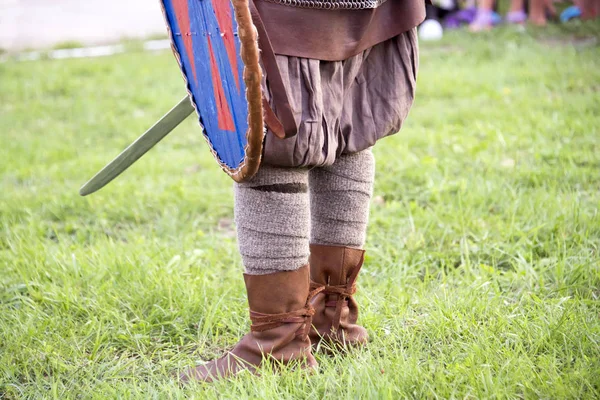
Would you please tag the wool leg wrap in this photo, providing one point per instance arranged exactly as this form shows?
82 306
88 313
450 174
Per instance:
339 200
272 219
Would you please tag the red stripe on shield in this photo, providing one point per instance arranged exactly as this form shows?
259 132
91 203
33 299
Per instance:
182 14
223 13
223 111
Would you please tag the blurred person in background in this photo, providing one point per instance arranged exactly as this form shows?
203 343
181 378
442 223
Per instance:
590 9
517 14
536 12
481 15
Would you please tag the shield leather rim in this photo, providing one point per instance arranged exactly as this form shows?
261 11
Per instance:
250 54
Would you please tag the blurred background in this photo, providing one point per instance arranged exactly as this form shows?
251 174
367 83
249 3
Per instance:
34 24
482 277
38 24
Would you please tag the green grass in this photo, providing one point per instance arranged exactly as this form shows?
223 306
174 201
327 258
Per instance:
69 44
482 278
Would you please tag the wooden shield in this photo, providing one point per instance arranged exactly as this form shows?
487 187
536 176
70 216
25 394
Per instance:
215 43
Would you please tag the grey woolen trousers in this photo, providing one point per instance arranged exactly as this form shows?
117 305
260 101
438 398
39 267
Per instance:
281 210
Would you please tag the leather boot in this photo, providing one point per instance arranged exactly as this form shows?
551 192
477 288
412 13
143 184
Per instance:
334 269
281 320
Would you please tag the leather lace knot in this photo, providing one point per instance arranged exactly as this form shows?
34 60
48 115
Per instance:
343 291
263 322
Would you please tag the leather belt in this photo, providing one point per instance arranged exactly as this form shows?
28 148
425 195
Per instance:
282 123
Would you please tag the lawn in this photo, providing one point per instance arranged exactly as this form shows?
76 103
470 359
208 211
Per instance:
482 278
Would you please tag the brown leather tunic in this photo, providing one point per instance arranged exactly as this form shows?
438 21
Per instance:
335 35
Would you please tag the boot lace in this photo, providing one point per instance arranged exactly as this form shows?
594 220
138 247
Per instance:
263 322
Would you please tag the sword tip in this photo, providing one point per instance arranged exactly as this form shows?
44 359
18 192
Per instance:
85 190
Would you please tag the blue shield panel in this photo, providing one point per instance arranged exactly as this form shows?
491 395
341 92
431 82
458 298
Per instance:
215 44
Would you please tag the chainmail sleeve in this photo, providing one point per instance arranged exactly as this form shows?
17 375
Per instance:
331 4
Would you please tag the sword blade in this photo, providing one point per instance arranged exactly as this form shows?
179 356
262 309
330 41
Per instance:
138 148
